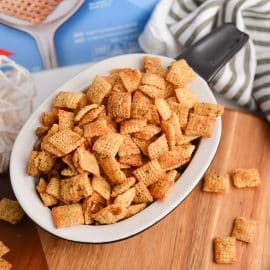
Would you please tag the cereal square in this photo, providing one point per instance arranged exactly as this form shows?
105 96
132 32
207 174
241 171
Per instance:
135 209
148 132
102 187
126 198
246 177
68 100
225 251
208 109
128 147
131 78
216 182
142 194
158 147
121 188
66 119
181 112
132 126
119 105
153 80
163 108
91 115
131 160
153 65
185 97
152 91
244 229
96 128
10 211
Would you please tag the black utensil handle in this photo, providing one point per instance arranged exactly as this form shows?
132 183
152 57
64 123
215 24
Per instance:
212 52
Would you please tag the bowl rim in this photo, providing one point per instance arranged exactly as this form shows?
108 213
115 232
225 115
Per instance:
209 145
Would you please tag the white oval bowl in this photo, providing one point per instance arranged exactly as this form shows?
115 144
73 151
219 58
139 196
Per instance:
24 185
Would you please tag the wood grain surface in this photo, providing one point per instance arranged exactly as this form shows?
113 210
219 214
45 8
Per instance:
184 239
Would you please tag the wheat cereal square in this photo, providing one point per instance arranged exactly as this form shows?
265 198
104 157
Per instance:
148 132
243 177
153 80
125 199
225 250
131 160
65 119
142 144
128 147
46 161
142 194
101 186
132 126
119 105
153 65
170 134
163 108
48 200
53 187
181 112
158 147
214 182
48 118
152 91
10 211
185 97
121 188
96 128
33 163
68 100
208 109
131 79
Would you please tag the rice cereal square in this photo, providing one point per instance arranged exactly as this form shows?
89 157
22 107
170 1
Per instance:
246 177
216 182
225 251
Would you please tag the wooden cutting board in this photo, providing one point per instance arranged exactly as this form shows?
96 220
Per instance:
182 240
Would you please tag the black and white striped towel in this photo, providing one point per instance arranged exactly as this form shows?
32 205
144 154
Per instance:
175 24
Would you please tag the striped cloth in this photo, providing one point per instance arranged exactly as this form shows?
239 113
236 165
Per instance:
175 24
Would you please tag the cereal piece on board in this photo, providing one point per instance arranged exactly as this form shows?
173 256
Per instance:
69 100
142 144
10 211
149 172
131 78
153 80
128 147
208 109
66 140
177 157
158 147
108 144
5 265
46 161
67 215
216 182
180 73
152 91
3 249
119 105
96 128
112 169
83 111
75 188
163 108
87 161
126 198
225 251
246 177
110 214
135 209
199 125
66 120
181 112
132 160
53 187
121 188
48 118
102 187
153 65
186 97
148 132
33 163
98 90
244 229
132 126
142 194
91 115
169 131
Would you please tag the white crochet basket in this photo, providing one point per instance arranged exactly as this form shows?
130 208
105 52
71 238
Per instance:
16 95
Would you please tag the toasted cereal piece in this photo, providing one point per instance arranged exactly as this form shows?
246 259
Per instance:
96 128
140 111
5 265
216 182
33 163
101 186
148 132
119 86
180 73
69 172
163 108
66 119
41 185
169 91
48 118
225 251
10 211
67 215
87 161
186 97
149 172
132 160
75 188
208 109
82 103
187 139
53 187
46 161
199 125
126 198
158 147
128 147
132 126
119 105
160 189
181 112
111 79
121 188
152 91
95 203
131 79
142 144
112 169
41 131
66 140
153 117
177 157
110 214
153 65
91 115
244 229
140 97
69 100
3 249
246 177
75 160
98 90
142 194
108 144
68 159
48 200
83 111
169 132
153 80
135 209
